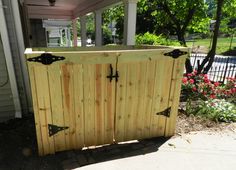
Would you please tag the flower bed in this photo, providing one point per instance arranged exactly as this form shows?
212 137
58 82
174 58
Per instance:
198 87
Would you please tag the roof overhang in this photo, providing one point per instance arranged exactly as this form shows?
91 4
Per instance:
65 9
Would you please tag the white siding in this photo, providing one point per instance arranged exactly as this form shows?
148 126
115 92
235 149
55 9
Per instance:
7 109
15 54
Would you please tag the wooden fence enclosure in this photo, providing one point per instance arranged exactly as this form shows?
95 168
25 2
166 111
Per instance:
94 96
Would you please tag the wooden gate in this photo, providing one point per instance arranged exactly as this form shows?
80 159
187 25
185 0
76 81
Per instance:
89 98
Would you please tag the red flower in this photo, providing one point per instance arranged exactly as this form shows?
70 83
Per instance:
185 80
206 80
216 84
212 96
194 89
195 72
191 81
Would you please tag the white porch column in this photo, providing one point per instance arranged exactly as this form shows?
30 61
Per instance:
83 31
130 21
74 22
98 28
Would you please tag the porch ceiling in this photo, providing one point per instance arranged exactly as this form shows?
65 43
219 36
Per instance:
65 9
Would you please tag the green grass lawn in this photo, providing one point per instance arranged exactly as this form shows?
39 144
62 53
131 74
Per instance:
222 44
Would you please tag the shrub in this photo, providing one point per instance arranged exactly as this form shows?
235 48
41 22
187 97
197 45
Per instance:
152 39
217 110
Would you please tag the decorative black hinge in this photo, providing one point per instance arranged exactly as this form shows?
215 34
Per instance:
175 53
111 76
53 129
46 59
166 112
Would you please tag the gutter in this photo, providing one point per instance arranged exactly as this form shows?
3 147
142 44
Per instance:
9 62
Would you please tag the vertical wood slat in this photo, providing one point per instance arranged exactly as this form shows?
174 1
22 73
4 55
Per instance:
130 100
149 89
44 106
162 88
99 109
109 103
68 105
89 105
120 103
142 99
55 84
79 104
36 111
178 70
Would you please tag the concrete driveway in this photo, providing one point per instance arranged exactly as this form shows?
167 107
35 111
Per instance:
194 151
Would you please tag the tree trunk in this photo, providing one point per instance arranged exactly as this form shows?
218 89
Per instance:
181 39
211 55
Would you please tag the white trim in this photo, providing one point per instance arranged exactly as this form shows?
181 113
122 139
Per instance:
9 62
21 47
86 7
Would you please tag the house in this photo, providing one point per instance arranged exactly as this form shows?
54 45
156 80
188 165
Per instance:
21 26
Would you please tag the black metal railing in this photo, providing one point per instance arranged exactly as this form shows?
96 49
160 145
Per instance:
223 67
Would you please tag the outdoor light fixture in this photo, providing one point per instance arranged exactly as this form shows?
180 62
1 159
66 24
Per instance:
52 2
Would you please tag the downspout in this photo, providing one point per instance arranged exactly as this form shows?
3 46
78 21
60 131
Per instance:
9 62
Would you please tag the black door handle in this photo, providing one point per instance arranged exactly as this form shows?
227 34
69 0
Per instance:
111 76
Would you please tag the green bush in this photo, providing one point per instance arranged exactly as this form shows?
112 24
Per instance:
152 39
217 110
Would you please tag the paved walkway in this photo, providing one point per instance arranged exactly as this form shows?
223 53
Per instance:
194 151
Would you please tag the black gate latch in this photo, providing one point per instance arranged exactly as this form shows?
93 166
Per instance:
111 76
53 129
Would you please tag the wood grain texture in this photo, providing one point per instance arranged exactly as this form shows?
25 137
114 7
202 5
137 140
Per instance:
44 107
36 111
55 84
79 104
177 75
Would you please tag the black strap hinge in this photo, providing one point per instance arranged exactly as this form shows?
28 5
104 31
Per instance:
53 129
46 59
166 112
176 53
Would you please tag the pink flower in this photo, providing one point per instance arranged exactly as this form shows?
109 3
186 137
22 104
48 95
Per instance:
191 81
206 80
185 80
189 74
194 89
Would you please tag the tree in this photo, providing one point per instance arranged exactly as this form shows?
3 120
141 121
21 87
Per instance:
224 7
179 15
